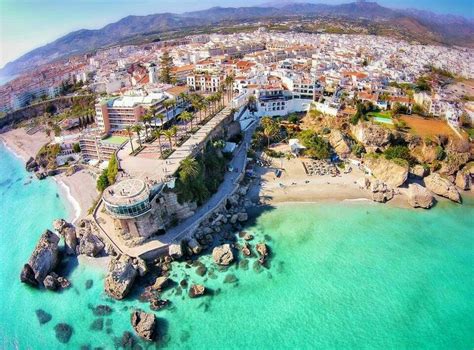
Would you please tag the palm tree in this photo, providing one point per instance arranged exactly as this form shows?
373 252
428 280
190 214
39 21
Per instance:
153 114
229 83
161 117
129 130
167 104
183 97
174 131
196 103
158 133
189 168
138 128
146 119
186 117
169 134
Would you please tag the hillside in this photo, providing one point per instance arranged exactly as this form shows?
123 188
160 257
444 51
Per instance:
419 25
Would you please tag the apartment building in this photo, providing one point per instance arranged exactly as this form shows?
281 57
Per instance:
96 146
115 114
205 82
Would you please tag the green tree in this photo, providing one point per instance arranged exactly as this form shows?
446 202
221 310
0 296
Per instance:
174 131
169 134
76 148
129 130
102 181
138 128
316 146
166 64
158 133
186 117
112 169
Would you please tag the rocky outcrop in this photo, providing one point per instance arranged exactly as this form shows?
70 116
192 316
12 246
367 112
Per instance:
339 143
196 290
463 180
381 192
144 324
27 276
31 165
120 277
373 137
140 265
223 255
175 251
442 187
454 161
90 245
392 173
419 196
419 171
68 232
160 283
44 258
194 246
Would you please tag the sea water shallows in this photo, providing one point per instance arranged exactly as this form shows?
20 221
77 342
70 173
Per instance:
342 275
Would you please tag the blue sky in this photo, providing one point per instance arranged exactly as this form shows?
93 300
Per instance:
26 24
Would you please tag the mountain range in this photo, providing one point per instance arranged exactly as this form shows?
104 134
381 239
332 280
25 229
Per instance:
441 29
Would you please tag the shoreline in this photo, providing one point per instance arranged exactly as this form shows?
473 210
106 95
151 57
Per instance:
77 191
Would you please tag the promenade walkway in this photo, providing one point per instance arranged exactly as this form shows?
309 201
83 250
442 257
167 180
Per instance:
228 186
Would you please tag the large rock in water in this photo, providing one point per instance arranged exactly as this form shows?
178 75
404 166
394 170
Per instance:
373 137
339 143
45 256
27 276
419 197
120 278
223 255
381 192
90 245
144 324
68 232
388 171
442 187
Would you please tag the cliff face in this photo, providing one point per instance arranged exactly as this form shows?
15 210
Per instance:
390 172
338 142
373 137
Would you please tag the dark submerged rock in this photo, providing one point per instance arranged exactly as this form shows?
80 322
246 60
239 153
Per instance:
43 316
63 332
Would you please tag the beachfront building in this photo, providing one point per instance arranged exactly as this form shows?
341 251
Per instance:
95 146
140 208
116 113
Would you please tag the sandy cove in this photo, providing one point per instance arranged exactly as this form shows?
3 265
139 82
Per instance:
23 144
79 189
294 185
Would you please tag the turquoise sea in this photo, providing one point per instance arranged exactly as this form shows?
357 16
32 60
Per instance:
344 275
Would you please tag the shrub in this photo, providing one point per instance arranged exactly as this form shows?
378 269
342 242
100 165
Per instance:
398 152
103 181
316 146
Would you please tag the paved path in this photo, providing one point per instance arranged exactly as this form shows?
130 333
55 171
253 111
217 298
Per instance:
227 187
159 169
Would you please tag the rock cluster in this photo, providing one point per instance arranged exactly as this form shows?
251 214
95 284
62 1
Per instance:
31 165
442 187
144 324
381 192
120 277
464 180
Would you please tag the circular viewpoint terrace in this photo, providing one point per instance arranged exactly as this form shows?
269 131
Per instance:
127 199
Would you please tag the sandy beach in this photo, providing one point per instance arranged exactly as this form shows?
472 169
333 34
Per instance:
79 189
294 185
23 144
